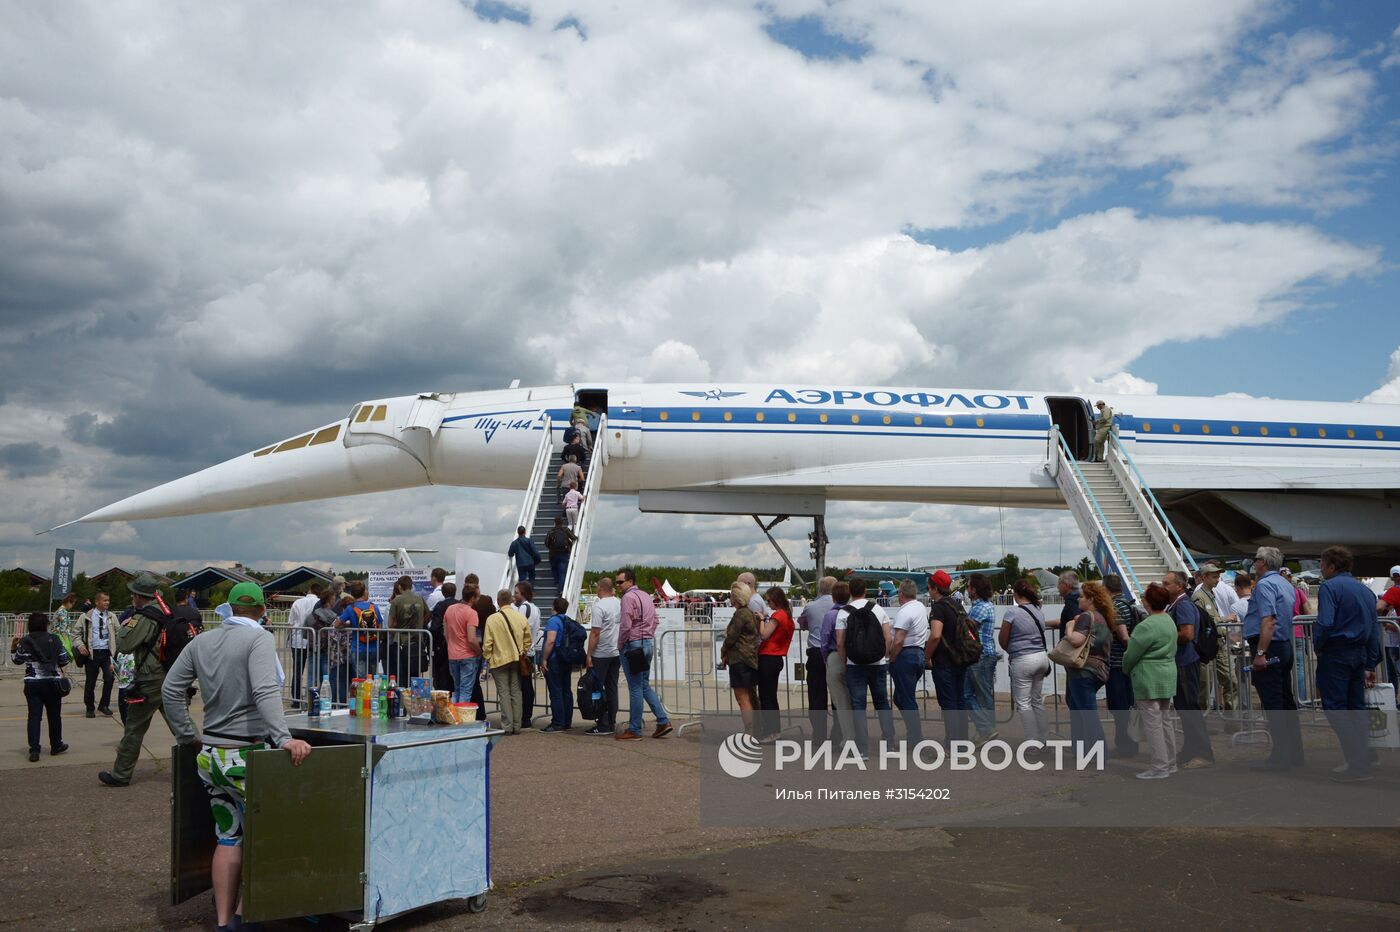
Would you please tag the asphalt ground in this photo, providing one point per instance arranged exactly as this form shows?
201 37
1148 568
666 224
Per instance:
631 853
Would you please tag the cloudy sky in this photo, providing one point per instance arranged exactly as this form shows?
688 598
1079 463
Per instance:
221 224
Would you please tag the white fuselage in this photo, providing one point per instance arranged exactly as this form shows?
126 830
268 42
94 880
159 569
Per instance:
961 446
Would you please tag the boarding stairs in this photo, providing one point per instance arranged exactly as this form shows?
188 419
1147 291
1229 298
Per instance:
542 506
1126 529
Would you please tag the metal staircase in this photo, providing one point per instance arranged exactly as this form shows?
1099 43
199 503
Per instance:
1124 526
542 506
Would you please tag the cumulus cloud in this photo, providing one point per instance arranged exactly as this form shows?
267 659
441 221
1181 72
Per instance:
1389 392
223 226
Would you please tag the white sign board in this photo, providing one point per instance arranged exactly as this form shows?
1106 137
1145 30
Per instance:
381 587
488 565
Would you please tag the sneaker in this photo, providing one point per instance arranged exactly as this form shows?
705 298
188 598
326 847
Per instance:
983 739
1340 768
1351 776
33 756
662 730
1153 775
627 735
553 729
106 779
1196 763
596 732
58 750
106 712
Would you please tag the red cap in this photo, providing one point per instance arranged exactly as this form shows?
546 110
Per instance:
941 579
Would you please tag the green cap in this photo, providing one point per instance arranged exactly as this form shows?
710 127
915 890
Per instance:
246 594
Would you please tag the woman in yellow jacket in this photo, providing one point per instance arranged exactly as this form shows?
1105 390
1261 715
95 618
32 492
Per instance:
504 645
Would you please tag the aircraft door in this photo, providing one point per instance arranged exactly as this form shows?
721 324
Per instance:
624 430
1072 417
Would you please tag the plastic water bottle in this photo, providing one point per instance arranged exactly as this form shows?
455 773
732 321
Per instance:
325 695
374 699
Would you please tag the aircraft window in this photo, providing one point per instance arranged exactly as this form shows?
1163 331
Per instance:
364 414
981 423
792 416
695 415
1235 429
666 416
918 421
887 418
1380 435
1292 431
380 412
758 416
1176 428
265 452
326 435
728 416
855 418
1351 434
948 420
1147 427
1205 428
1264 430
824 418
295 444
1322 432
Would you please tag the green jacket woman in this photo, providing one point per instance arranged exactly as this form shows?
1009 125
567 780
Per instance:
1150 657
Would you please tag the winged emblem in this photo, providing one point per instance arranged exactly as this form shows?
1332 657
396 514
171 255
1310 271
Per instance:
713 394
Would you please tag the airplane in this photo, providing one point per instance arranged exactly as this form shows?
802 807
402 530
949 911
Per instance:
1230 473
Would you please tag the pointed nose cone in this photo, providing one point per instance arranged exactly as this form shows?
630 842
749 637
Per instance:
311 466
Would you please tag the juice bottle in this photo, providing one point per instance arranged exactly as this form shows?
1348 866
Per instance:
353 697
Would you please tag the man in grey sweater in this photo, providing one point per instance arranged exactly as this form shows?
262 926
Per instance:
241 679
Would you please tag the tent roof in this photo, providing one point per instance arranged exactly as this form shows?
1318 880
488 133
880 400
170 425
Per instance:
297 577
211 576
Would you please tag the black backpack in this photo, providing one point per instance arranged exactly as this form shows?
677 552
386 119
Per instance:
176 630
960 640
557 540
865 636
591 699
1207 636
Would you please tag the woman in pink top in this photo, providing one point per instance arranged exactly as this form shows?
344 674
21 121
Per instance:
462 628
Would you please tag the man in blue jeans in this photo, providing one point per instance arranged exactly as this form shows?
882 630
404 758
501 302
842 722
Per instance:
557 670
949 679
1347 637
523 551
906 656
859 677
979 688
636 632
363 615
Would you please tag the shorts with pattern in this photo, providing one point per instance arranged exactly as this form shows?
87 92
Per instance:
224 774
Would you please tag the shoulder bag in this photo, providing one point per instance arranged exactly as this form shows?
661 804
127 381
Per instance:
1067 655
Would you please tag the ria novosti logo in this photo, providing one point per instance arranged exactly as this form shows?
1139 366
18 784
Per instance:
741 756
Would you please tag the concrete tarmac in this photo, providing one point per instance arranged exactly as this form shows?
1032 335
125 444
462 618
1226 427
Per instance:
629 852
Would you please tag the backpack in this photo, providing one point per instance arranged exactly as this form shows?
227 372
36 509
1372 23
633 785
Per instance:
175 631
1207 636
366 618
591 699
569 644
557 540
865 636
962 644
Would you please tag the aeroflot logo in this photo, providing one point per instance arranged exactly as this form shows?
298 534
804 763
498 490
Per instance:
885 399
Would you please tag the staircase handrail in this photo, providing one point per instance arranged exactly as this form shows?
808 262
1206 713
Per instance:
572 583
1066 455
533 493
1161 512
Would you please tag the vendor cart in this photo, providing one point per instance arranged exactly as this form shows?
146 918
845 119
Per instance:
382 818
